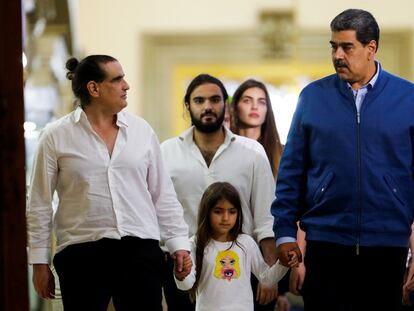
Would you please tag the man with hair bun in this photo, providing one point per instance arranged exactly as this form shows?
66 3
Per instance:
116 200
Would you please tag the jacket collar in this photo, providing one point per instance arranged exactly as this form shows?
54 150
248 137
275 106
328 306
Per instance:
376 88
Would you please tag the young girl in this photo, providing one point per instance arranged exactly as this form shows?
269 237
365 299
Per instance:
224 257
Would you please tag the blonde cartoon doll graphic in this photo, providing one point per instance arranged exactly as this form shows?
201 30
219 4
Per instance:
224 257
227 265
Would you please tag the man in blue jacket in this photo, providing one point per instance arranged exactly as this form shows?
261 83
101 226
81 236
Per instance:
347 176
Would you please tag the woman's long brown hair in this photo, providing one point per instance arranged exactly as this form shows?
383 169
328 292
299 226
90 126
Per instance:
213 194
269 136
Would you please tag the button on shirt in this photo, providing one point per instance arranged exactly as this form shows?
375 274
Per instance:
127 194
240 161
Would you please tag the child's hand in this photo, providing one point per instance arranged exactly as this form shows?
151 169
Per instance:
187 264
293 259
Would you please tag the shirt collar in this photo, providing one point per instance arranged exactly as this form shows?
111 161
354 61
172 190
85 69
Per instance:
77 114
121 119
187 136
373 80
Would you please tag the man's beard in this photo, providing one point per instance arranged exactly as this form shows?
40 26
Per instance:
207 127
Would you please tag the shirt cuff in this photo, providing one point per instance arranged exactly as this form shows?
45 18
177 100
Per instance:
284 239
185 284
178 243
265 235
39 255
274 274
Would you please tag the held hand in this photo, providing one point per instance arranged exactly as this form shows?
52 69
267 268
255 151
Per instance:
284 255
293 261
297 275
43 281
187 264
182 262
266 294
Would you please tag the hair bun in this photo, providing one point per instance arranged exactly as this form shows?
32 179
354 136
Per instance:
71 65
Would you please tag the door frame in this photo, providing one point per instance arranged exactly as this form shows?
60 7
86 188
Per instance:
13 256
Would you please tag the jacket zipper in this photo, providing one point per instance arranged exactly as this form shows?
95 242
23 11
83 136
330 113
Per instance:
358 231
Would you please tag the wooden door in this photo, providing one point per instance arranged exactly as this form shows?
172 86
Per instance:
13 261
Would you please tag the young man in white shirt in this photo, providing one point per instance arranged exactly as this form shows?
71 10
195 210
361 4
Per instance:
208 152
116 200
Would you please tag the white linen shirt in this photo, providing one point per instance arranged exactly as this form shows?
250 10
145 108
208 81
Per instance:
240 161
127 194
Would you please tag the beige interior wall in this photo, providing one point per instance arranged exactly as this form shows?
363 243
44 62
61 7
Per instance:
116 27
389 13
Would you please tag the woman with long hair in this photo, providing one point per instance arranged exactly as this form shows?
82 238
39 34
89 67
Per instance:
253 117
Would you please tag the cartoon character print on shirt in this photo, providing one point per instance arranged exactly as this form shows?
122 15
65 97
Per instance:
227 265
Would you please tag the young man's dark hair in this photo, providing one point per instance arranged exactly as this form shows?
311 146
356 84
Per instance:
203 79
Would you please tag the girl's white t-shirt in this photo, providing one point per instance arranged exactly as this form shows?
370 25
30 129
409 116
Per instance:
225 277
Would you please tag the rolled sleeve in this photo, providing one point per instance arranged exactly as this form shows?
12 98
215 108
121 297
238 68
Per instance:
262 197
173 228
39 211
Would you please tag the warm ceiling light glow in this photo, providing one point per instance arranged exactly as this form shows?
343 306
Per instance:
24 60
29 126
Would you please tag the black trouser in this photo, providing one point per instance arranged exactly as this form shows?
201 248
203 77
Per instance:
129 270
338 279
177 300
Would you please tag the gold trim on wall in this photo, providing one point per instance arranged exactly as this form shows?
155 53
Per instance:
171 60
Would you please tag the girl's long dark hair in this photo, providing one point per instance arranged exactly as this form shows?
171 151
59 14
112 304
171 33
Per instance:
269 136
214 193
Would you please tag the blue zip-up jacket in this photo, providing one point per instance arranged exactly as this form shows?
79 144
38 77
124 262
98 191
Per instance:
348 178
